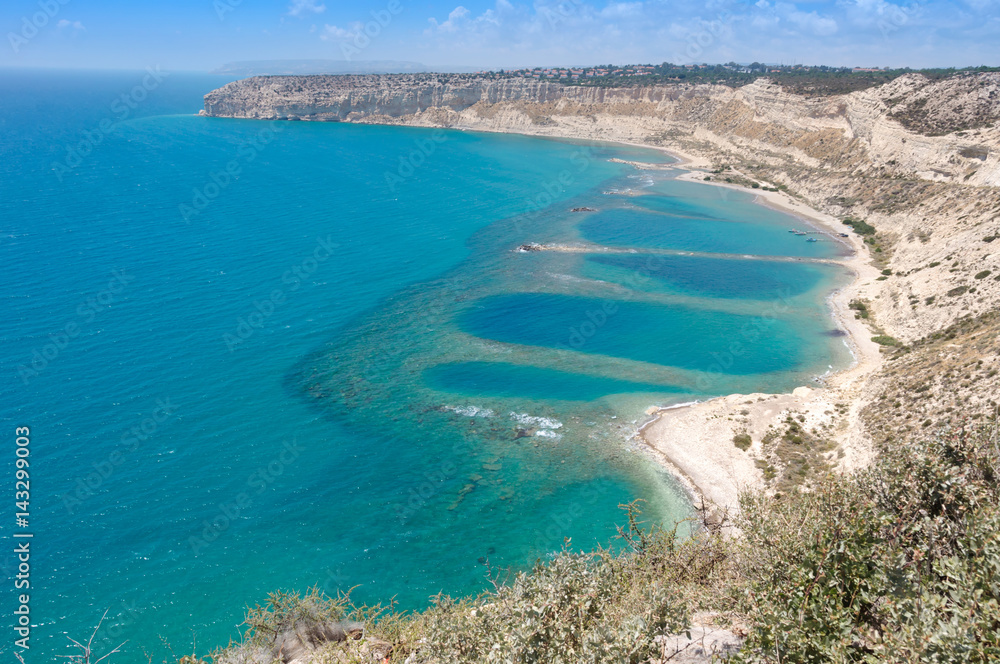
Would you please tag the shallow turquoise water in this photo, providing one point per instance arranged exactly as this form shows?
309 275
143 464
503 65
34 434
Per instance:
694 217
712 277
672 336
345 378
499 379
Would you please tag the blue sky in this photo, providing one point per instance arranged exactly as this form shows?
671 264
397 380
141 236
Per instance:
203 34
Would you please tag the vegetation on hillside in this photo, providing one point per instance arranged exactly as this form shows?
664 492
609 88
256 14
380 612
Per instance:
809 81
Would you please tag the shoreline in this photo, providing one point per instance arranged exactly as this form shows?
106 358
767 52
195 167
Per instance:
693 441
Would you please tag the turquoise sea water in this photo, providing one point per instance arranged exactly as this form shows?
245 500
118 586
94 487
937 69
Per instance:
258 356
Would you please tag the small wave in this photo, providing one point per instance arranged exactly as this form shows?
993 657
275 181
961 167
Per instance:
682 405
541 422
471 411
547 433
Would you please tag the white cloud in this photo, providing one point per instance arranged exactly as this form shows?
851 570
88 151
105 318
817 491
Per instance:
874 13
811 22
303 7
64 24
458 17
335 33
836 32
622 10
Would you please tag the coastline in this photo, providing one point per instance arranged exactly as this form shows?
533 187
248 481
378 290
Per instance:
694 441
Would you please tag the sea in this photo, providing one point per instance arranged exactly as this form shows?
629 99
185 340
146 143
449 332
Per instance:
255 356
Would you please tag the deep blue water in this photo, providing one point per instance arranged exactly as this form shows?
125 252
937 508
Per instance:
274 355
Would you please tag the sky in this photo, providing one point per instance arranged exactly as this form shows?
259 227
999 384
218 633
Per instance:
200 35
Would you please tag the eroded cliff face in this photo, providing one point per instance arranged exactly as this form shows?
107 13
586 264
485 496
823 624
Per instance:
919 159
863 129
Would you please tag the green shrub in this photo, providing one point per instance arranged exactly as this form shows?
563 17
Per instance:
983 274
559 612
899 563
743 441
885 340
860 227
860 308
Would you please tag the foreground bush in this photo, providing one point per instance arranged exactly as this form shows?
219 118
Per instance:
900 563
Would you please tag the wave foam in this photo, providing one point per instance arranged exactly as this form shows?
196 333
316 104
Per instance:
471 411
540 422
